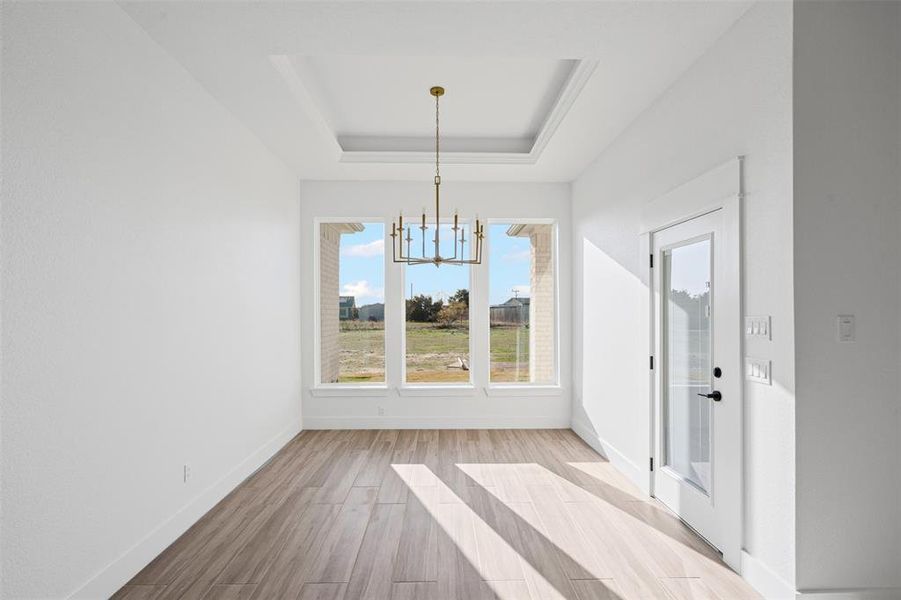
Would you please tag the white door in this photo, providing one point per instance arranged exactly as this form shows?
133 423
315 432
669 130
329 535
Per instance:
697 454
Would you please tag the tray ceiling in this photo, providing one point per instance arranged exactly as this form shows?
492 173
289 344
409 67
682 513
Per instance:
339 90
378 109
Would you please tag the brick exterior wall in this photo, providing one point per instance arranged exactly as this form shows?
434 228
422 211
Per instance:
329 291
329 246
542 349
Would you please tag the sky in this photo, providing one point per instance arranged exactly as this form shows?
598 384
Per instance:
362 271
689 268
510 261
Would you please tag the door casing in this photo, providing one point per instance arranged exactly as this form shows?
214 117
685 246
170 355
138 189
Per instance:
717 189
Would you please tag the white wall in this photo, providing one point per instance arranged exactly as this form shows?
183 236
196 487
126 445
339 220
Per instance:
150 274
382 201
847 206
736 100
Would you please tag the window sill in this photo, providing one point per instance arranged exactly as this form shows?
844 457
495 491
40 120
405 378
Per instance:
337 390
523 389
437 390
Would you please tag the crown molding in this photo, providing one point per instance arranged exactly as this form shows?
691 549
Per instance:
575 82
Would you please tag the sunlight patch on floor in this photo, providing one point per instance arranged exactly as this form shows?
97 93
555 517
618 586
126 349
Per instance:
468 532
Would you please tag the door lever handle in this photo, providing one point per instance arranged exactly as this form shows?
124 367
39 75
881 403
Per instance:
714 395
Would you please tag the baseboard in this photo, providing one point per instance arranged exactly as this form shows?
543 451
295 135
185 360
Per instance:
117 573
761 577
852 594
772 587
429 422
636 474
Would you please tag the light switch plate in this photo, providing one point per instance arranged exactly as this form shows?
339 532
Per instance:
759 327
759 370
847 330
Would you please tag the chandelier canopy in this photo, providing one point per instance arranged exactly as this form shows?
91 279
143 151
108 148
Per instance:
402 240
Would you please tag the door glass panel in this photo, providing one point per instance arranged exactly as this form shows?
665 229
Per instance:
687 351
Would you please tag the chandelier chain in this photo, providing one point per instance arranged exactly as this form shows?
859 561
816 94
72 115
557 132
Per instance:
437 138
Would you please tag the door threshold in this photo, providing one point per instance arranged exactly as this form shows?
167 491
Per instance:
688 525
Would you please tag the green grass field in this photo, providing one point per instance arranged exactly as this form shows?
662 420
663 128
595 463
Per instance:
433 353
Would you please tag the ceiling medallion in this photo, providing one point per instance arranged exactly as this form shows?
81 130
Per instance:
401 238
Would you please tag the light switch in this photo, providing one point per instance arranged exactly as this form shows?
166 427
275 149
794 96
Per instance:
759 326
846 328
758 370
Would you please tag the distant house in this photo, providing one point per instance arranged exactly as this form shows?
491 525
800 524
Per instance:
514 311
372 312
346 307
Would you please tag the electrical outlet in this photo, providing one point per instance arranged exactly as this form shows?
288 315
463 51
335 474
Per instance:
187 473
381 411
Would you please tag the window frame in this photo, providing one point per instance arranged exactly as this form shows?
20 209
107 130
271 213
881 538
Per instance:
407 388
514 388
395 279
337 388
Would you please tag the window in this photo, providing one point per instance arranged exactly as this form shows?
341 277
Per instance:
351 302
514 295
522 297
437 316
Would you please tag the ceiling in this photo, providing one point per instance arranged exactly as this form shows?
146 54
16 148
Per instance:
339 90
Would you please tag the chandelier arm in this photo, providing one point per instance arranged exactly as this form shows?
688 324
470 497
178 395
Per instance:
454 257
481 243
400 237
400 248
477 259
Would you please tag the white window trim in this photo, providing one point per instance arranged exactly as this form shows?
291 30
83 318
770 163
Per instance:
523 389
437 389
348 389
395 333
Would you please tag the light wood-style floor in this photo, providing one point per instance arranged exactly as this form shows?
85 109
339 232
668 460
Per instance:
437 514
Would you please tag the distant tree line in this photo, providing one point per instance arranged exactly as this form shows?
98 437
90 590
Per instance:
423 309
694 307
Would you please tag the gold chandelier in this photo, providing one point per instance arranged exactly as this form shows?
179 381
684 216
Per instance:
400 237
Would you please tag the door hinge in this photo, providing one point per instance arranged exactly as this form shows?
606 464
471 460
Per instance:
652 463
652 362
652 261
